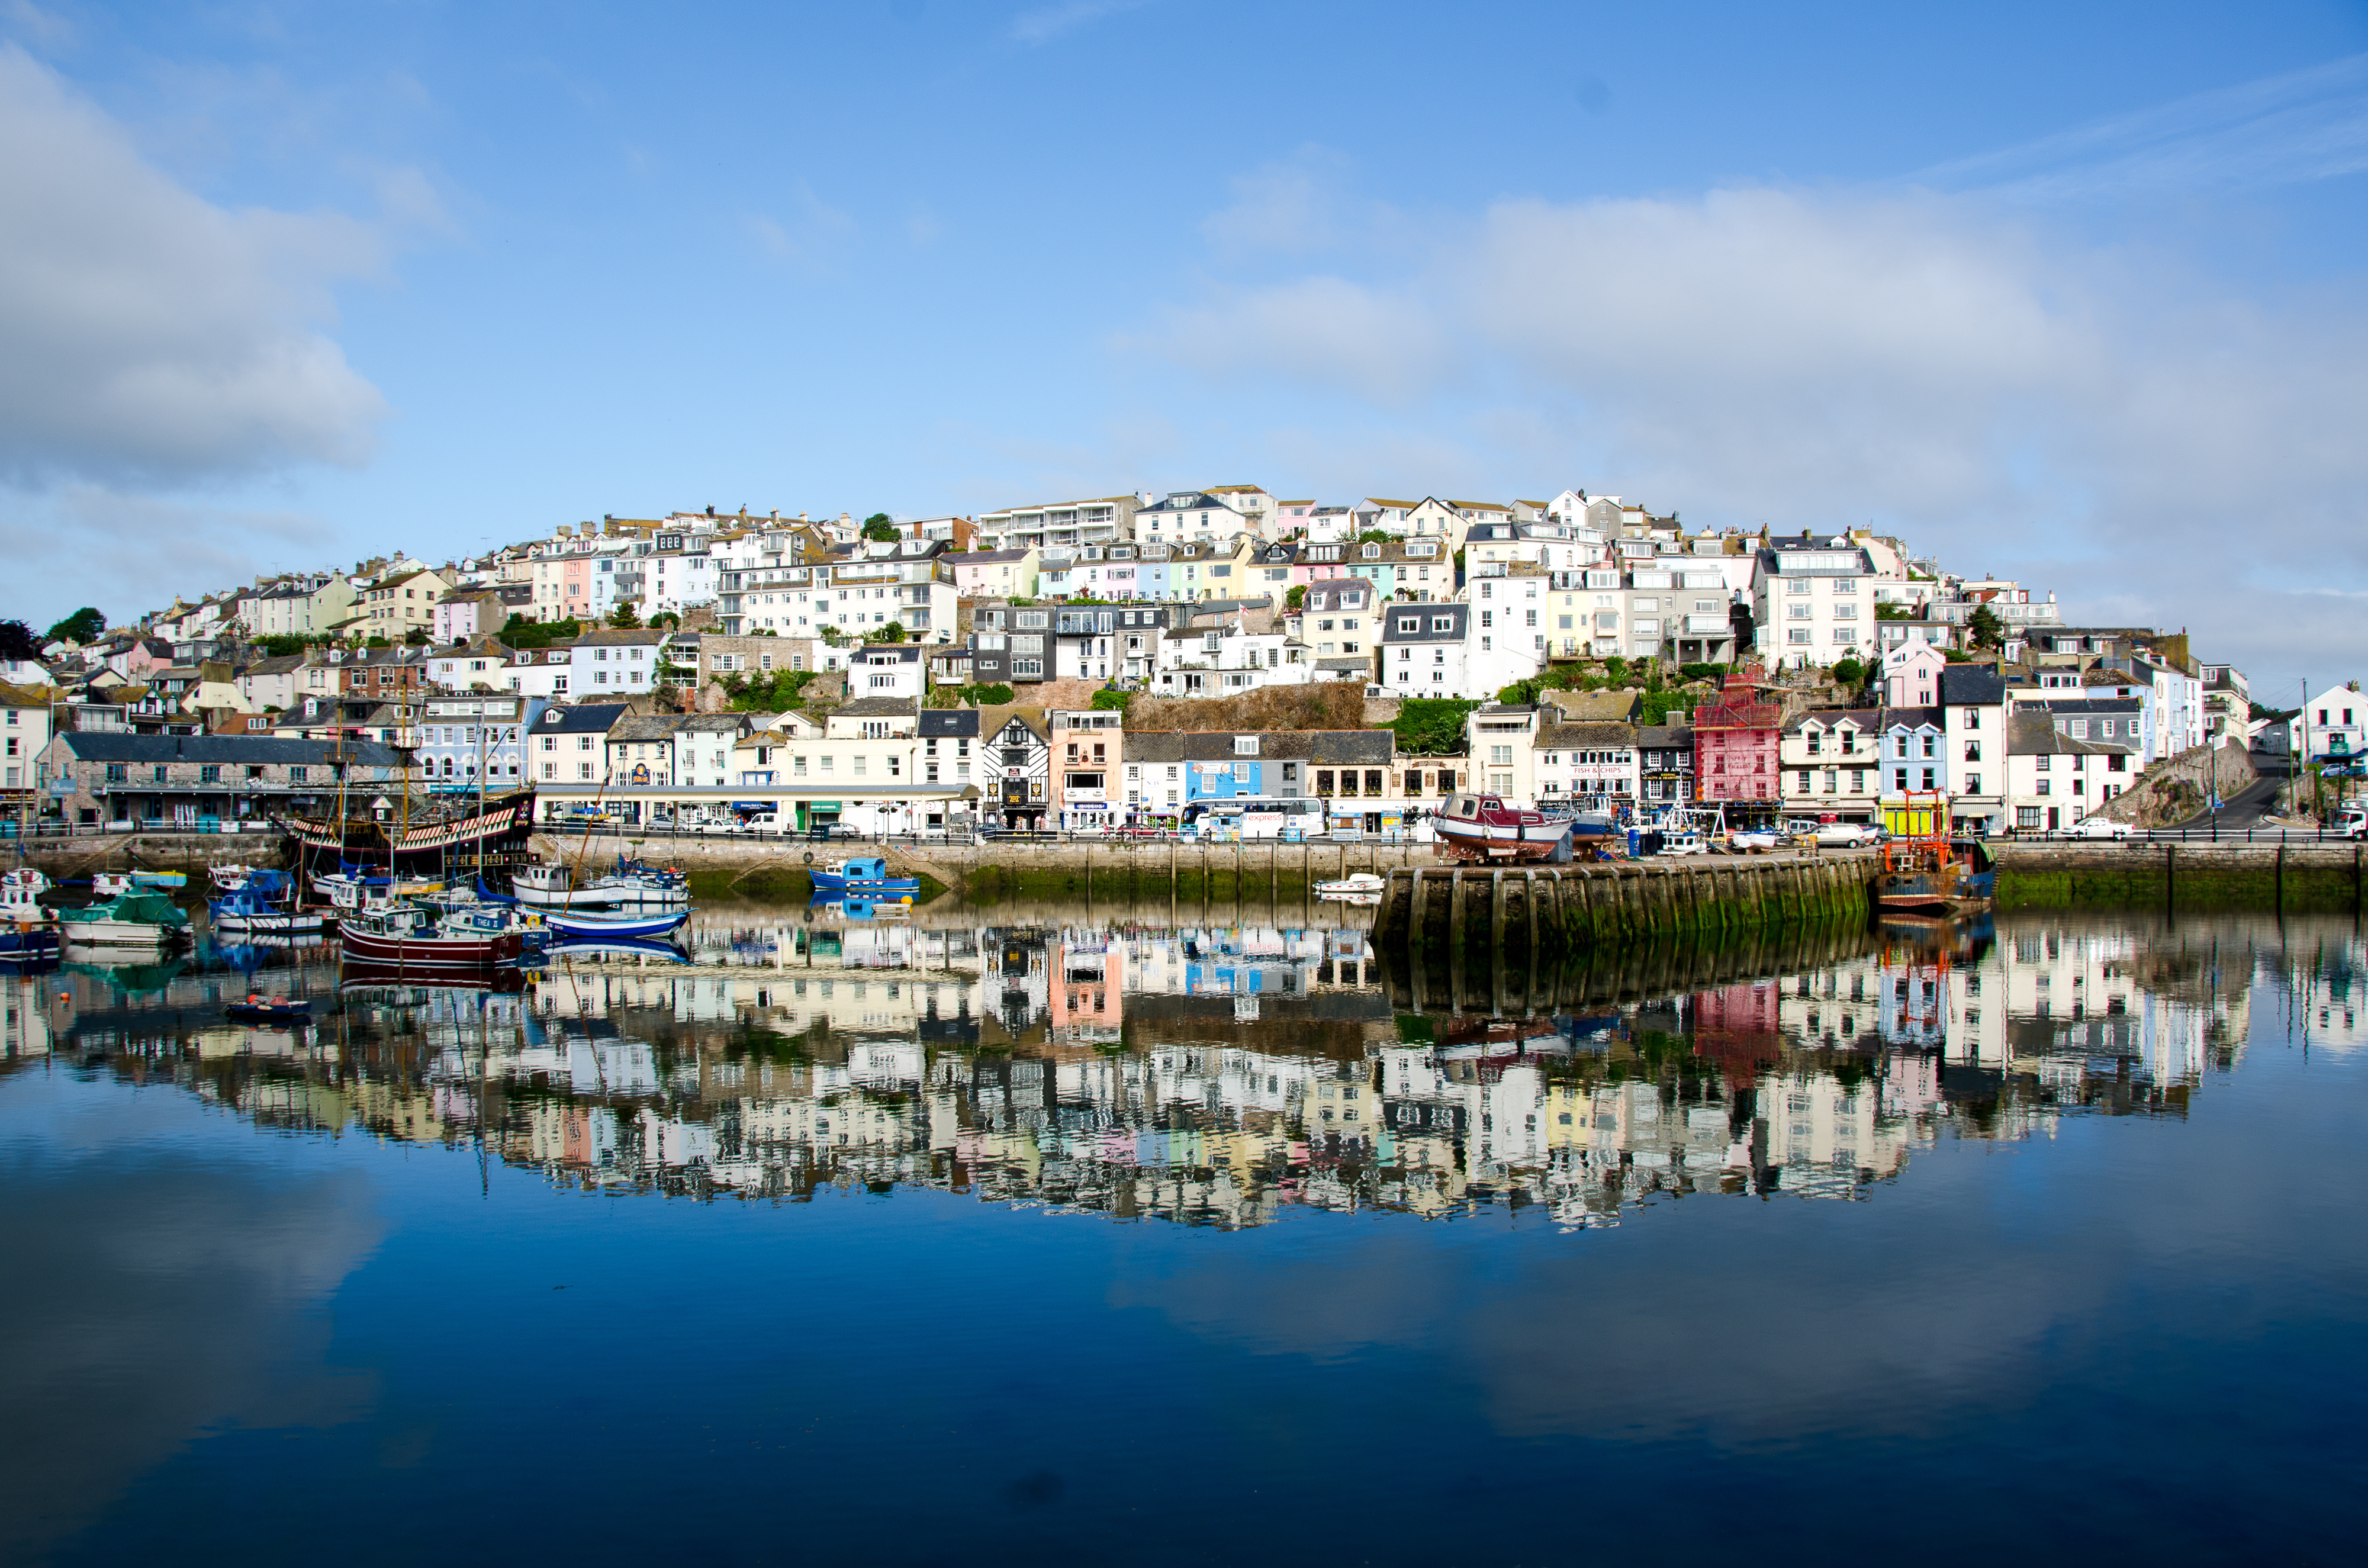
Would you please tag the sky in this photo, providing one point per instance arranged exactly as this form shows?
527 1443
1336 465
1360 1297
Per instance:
2072 293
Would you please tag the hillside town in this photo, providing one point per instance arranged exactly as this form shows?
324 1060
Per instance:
1146 663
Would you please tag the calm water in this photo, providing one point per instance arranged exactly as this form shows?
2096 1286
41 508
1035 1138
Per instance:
1018 1236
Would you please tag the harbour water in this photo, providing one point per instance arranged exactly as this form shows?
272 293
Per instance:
1026 1232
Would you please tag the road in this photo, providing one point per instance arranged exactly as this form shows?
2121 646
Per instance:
2244 807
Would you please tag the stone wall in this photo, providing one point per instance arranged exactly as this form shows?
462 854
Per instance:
2179 788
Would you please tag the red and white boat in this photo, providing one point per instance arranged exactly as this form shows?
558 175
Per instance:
410 937
1489 827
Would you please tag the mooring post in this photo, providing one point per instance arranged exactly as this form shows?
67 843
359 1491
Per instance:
1529 913
1455 918
1496 914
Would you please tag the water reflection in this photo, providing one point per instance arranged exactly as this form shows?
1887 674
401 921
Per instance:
1218 1074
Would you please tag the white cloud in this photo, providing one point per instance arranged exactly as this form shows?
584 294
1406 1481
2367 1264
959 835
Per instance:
2305 125
1046 22
812 234
1916 360
83 544
146 333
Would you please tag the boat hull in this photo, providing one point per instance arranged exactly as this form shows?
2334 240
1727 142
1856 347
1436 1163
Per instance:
432 954
580 925
828 883
280 925
118 934
1484 841
28 942
638 898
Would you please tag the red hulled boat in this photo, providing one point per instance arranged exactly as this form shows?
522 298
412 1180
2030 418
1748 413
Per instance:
1488 827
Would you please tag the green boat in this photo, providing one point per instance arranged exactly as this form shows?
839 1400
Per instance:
134 919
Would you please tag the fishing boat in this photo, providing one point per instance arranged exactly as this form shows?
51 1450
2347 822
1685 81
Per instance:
136 919
631 885
1489 827
614 922
352 890
258 1008
1925 870
28 930
866 874
1362 888
160 878
415 939
249 909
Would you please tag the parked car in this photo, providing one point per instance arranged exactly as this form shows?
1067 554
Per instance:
1848 836
1137 830
2099 828
2350 821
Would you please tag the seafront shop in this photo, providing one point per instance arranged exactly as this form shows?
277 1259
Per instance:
887 809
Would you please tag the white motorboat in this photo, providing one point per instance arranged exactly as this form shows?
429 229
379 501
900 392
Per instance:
632 886
1489 827
137 919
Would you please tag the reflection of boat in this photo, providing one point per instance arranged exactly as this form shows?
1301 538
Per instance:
28 931
616 947
261 1009
857 906
633 885
1488 827
1358 888
411 939
405 984
139 979
863 874
135 919
617 923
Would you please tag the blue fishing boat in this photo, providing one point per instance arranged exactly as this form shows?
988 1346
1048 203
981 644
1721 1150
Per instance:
28 932
863 875
250 909
613 923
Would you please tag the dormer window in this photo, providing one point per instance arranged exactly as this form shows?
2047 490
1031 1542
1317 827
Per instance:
1246 745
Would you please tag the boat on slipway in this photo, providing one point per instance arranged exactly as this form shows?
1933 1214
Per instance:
1489 827
633 885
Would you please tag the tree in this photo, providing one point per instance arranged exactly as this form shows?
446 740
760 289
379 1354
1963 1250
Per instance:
1432 726
993 696
1988 631
1849 672
880 526
1375 536
1110 699
623 618
1295 600
80 626
892 633
16 642
833 637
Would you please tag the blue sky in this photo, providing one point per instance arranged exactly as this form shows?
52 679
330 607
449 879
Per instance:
2066 292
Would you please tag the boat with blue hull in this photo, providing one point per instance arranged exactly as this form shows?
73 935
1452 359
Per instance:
863 875
248 908
28 931
645 948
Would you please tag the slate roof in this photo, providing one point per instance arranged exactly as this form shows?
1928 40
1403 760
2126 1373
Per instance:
645 727
111 745
1972 685
875 708
1574 737
1327 748
949 722
592 718
1458 614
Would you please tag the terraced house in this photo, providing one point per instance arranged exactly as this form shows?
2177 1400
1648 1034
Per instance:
203 781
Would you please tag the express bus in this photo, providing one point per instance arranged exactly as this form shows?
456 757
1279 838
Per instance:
1255 816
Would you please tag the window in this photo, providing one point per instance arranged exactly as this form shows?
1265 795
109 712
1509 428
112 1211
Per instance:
298 774
1973 718
210 773
118 773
